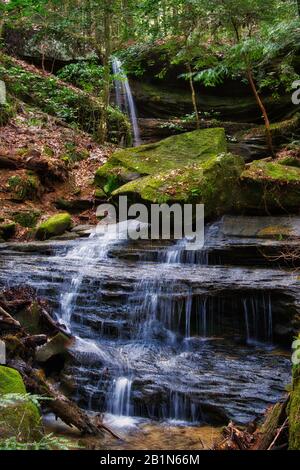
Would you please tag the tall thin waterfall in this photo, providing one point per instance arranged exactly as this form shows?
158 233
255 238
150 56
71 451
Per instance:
124 98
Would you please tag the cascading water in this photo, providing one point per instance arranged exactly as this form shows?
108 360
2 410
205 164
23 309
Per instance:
86 255
155 338
121 394
258 318
124 98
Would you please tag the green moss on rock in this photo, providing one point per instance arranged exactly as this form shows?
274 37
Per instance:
54 226
11 381
270 186
191 167
213 183
21 418
169 154
279 129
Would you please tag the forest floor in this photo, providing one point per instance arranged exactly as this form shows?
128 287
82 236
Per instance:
32 134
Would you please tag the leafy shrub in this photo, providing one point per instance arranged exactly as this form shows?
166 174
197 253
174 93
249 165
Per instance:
88 76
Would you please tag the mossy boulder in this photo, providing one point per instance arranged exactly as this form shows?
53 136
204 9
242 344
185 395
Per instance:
191 167
269 186
24 186
54 226
22 417
7 230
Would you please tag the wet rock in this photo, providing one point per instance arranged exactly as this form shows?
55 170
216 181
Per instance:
66 236
83 230
261 227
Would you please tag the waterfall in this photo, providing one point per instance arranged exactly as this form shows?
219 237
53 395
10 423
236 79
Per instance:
124 98
163 339
87 255
258 318
120 402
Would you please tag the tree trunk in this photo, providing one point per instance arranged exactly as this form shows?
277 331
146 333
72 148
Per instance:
274 420
264 112
2 21
194 98
106 78
298 6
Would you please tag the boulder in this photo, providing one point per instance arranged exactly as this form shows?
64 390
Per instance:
186 168
261 227
55 225
21 417
270 187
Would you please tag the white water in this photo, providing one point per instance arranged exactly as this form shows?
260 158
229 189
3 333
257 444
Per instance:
87 254
163 354
124 98
120 403
254 309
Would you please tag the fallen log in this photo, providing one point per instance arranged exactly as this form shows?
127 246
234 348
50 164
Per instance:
59 404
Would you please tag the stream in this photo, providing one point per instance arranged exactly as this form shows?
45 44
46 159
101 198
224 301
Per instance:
164 336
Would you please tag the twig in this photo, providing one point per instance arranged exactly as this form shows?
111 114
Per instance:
278 434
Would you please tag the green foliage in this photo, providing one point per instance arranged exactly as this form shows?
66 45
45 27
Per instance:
88 76
48 442
76 107
26 219
13 398
24 187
